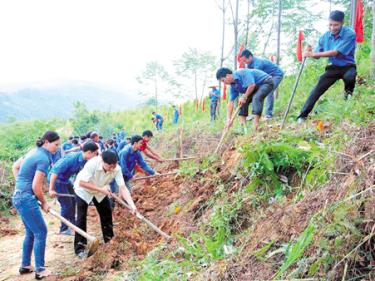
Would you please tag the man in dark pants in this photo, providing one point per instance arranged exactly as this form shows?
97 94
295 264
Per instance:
60 181
214 97
338 44
92 184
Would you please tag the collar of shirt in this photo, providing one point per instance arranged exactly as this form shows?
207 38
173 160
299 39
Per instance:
339 35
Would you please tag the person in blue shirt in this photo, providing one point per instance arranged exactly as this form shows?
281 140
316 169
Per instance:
158 121
60 181
30 177
338 45
131 156
176 115
122 145
254 85
214 97
268 67
67 145
121 135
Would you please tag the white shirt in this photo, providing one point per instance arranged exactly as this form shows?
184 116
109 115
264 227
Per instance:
94 173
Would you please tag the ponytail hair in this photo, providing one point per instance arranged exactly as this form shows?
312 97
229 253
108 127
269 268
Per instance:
49 136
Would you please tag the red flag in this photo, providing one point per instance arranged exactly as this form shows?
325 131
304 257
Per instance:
196 104
224 92
299 45
203 109
241 64
358 26
180 109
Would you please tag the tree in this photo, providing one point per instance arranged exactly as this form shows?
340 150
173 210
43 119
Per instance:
155 79
196 66
83 121
373 42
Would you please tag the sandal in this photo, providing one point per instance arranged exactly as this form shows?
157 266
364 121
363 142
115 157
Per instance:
25 270
43 274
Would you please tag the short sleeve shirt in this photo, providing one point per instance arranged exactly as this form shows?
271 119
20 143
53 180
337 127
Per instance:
38 160
344 43
94 173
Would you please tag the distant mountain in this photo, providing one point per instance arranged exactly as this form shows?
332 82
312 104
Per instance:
42 102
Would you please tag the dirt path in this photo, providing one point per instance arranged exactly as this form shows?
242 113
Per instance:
60 258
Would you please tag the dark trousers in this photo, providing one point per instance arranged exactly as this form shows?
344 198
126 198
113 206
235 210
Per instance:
331 75
213 107
105 214
68 204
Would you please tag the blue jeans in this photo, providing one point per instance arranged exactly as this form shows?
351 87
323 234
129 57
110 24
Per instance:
27 207
270 98
68 204
159 125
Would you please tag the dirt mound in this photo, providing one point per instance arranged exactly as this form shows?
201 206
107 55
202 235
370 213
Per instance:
280 223
6 228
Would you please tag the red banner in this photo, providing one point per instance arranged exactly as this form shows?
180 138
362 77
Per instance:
358 26
299 45
241 64
224 92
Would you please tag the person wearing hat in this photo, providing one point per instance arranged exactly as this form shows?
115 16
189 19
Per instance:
338 45
268 67
214 98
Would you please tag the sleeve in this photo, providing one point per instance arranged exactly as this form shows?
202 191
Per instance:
88 171
124 168
248 79
119 178
144 165
42 166
61 166
233 93
346 45
320 47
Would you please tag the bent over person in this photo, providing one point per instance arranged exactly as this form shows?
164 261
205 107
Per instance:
92 185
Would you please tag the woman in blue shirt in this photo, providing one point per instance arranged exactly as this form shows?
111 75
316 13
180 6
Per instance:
29 182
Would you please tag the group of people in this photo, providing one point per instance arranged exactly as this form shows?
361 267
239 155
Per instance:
261 77
84 175
104 167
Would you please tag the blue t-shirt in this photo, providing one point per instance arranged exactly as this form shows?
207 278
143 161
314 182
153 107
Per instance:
56 156
344 43
38 160
265 65
243 78
67 146
68 166
128 158
215 96
158 116
176 114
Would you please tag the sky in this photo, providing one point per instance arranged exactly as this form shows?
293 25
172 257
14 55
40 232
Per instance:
107 42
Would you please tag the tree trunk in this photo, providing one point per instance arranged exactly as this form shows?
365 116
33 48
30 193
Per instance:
372 70
278 41
156 94
196 87
236 35
222 48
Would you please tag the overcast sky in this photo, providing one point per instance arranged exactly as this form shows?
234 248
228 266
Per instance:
105 41
102 41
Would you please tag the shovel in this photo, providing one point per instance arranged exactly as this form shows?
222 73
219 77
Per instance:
226 130
142 218
154 176
93 242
